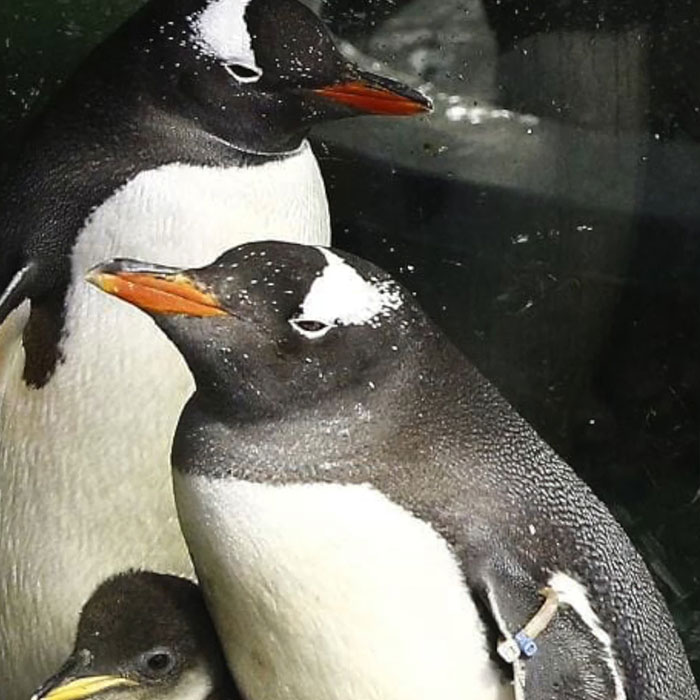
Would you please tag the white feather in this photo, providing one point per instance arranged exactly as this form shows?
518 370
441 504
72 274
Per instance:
341 296
334 592
573 594
14 283
221 31
195 684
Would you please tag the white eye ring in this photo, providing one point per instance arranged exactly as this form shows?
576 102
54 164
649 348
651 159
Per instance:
309 327
244 72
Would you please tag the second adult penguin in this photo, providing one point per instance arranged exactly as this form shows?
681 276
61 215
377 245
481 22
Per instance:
183 135
349 484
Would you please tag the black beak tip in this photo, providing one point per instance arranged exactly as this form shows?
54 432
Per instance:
420 99
425 101
74 665
131 266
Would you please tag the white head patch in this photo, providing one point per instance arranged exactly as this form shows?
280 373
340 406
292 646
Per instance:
342 297
221 31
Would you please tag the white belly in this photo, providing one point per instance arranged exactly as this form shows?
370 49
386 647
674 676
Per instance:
84 463
333 592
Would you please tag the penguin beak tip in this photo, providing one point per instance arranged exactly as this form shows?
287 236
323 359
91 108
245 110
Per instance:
100 276
82 688
155 289
372 94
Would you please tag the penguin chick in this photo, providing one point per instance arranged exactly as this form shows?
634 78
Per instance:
143 636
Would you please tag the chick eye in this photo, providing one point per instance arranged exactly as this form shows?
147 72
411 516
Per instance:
310 328
243 73
157 662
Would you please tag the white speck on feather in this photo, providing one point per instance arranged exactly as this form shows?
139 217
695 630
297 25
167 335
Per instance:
342 297
221 31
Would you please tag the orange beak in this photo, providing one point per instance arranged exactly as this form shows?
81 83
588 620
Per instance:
372 94
155 289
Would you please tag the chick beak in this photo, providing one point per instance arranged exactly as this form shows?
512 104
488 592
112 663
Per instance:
73 682
373 94
82 688
154 288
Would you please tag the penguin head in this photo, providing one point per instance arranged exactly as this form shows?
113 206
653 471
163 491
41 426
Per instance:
142 636
273 327
256 73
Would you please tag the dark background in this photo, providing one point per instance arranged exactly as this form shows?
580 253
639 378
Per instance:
547 214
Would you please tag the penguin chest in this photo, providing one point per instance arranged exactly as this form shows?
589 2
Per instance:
332 591
88 451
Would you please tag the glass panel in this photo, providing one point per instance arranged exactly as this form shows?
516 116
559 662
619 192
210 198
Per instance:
546 214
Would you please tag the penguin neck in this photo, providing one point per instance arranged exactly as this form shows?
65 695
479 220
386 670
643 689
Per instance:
304 444
159 130
242 133
135 92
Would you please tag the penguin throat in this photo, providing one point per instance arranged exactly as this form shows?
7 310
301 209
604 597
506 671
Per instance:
286 150
296 444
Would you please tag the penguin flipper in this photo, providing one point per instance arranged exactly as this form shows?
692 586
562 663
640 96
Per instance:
17 290
572 657
570 664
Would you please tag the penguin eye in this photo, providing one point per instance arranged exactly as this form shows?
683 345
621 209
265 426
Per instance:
157 663
309 328
243 73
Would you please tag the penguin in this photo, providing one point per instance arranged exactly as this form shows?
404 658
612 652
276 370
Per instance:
182 136
368 517
144 635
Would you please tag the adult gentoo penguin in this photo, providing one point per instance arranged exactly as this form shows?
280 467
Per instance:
348 484
143 635
183 135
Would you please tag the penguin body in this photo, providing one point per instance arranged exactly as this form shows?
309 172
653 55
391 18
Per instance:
341 459
388 617
143 635
184 134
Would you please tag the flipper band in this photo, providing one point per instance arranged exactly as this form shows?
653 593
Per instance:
523 642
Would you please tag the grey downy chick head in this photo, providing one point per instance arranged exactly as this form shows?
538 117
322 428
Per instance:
143 636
